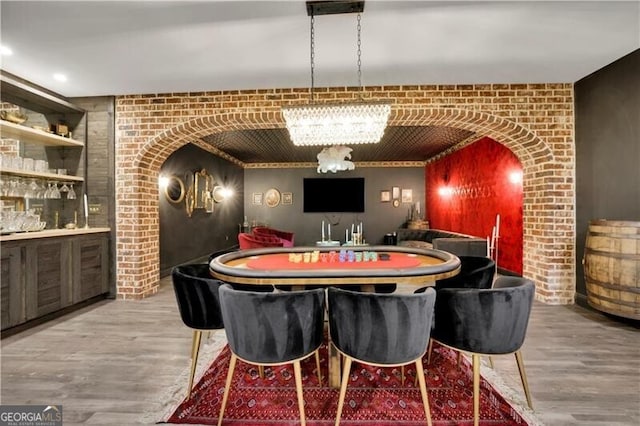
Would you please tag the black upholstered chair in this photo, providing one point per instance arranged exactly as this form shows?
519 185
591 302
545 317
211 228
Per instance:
475 272
272 329
198 303
486 322
381 329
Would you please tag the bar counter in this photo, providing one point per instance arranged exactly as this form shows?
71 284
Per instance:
47 273
47 233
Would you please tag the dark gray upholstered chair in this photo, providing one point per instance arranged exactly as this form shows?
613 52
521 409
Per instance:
381 329
198 303
475 272
272 329
486 322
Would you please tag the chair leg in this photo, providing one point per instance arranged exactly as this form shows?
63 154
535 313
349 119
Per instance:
343 387
402 374
523 377
318 367
423 390
491 362
227 387
298 376
476 389
261 371
429 349
195 348
459 359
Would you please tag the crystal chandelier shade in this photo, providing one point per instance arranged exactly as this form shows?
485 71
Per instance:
342 124
358 122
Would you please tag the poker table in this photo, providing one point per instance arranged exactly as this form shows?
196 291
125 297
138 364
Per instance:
393 264
279 266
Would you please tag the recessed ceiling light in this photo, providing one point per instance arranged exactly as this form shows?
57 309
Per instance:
60 77
5 50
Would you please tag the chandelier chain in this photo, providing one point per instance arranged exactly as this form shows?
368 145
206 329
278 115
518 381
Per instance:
359 56
313 45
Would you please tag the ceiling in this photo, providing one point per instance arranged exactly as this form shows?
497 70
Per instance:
120 47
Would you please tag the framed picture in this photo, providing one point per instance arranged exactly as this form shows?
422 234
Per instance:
407 195
257 198
272 197
287 198
395 192
385 196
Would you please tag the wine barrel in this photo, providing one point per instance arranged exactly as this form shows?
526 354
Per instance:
612 267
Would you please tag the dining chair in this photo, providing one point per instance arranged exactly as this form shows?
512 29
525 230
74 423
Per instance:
269 329
386 330
199 305
486 322
475 272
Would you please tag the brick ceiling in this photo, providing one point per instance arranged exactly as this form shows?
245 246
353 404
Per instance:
399 143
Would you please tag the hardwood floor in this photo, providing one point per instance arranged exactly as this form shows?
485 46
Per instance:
111 363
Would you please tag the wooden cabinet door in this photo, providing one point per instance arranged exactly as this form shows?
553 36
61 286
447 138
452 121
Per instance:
12 310
48 280
90 267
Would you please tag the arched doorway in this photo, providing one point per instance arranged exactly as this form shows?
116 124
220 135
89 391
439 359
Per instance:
548 229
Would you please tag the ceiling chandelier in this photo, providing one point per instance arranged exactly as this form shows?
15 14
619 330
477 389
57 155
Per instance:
336 124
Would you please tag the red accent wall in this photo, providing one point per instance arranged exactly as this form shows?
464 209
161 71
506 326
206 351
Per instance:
466 190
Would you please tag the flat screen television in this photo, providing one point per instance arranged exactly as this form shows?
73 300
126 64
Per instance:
333 195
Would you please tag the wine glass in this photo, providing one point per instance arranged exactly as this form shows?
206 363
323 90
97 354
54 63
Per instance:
71 195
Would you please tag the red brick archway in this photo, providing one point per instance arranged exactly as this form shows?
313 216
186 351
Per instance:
546 155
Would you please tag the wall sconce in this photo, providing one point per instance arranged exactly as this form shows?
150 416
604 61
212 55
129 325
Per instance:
445 191
515 177
221 193
163 181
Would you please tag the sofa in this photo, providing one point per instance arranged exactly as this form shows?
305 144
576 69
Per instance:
453 242
250 241
284 236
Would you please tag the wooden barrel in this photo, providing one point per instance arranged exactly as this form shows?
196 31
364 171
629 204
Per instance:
612 267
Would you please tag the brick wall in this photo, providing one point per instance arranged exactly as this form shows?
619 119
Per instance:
535 121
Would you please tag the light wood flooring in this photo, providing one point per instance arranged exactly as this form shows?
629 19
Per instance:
112 362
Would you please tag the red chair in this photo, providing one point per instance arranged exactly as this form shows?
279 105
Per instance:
285 236
249 241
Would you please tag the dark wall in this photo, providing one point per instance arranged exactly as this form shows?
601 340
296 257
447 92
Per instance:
185 239
378 219
607 150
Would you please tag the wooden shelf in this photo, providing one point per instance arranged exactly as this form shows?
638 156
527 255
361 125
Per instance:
20 92
17 131
42 175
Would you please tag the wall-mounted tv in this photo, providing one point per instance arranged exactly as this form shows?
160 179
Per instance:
333 195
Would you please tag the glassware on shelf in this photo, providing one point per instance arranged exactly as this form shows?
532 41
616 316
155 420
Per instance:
71 195
31 189
55 192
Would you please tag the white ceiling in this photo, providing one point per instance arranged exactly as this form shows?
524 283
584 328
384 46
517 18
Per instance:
115 47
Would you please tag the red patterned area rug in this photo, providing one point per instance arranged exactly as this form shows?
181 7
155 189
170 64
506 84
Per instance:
375 396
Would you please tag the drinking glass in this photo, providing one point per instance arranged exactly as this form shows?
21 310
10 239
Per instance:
55 192
71 195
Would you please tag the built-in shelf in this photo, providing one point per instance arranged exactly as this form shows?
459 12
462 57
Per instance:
19 92
42 175
18 131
